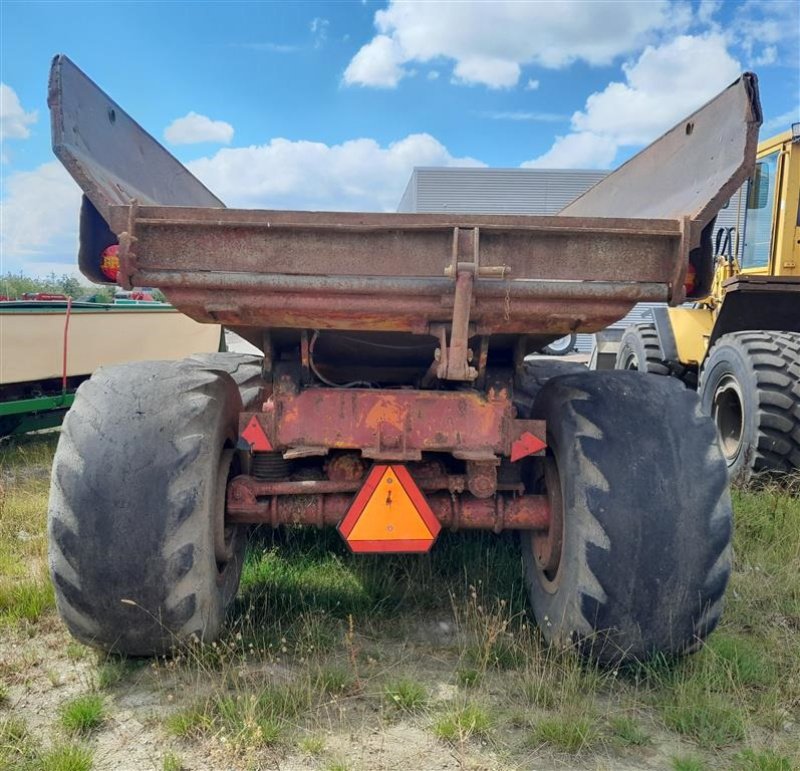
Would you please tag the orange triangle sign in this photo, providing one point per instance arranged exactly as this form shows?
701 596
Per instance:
389 514
255 436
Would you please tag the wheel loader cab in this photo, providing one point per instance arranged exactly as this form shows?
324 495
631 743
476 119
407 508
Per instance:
741 345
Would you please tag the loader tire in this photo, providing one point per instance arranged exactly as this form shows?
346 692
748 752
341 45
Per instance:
750 385
244 368
638 554
562 346
640 350
139 556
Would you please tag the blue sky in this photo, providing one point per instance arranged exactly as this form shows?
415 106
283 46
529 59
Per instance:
331 105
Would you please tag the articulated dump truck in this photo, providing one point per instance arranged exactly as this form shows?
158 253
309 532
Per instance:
394 398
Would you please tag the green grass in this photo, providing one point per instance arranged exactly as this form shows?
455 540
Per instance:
25 600
710 719
463 722
335 680
318 636
688 764
247 718
311 745
627 732
570 734
406 694
188 722
66 757
83 713
763 760
112 671
171 762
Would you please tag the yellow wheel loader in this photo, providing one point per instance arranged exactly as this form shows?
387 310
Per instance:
740 346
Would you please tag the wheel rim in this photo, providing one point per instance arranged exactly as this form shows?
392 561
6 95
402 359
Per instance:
728 414
562 345
224 534
631 361
548 544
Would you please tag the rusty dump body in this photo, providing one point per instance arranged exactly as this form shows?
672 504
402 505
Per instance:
424 316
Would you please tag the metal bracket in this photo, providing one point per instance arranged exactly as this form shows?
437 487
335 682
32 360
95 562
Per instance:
454 361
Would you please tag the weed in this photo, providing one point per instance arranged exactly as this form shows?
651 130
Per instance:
76 651
406 694
188 722
171 762
565 733
335 680
708 718
687 764
627 732
83 713
54 676
741 660
462 722
16 744
311 745
112 671
25 600
337 765
3 694
468 677
764 760
66 757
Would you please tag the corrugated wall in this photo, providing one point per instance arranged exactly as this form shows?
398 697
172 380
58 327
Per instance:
530 191
494 191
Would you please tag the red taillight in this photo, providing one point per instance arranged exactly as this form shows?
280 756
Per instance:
691 280
109 262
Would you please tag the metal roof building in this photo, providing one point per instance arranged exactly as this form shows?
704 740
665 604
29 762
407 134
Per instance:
494 191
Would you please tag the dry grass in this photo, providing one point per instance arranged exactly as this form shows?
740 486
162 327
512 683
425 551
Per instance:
323 645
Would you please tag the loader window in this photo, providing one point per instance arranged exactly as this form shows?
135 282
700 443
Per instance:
760 205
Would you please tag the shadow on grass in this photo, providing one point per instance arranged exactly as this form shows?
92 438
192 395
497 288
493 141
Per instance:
295 571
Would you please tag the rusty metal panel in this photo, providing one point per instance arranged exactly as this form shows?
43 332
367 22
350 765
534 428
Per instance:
691 171
112 158
626 240
392 424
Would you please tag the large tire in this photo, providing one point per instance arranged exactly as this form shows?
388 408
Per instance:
638 555
138 554
244 368
533 375
640 350
750 385
562 346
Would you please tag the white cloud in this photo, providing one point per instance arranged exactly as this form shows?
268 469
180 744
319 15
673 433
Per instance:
40 211
433 75
781 122
319 31
768 32
14 120
39 223
521 115
663 85
194 128
376 64
707 10
583 150
532 85
490 41
358 175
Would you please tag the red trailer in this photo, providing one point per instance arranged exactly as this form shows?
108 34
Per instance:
393 398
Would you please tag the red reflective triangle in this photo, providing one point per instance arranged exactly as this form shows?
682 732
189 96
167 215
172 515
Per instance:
527 444
255 436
